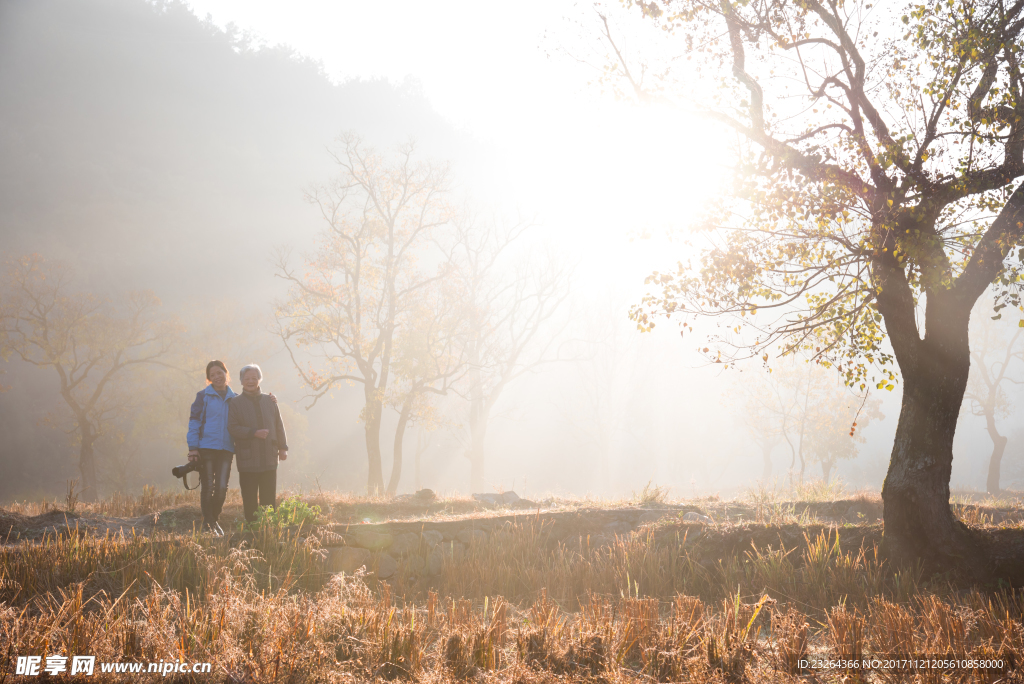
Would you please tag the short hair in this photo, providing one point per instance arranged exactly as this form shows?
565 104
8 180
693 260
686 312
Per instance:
217 364
251 366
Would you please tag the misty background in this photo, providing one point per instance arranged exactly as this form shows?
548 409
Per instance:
152 146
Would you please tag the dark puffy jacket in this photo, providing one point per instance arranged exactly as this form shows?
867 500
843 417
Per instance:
254 455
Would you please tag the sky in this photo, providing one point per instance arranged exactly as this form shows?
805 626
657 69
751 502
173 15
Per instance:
596 170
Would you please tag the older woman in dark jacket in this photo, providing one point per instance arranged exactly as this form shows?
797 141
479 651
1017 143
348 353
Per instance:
255 424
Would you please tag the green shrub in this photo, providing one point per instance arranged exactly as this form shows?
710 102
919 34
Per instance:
292 511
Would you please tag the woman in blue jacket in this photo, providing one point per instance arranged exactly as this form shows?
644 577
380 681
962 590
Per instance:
210 443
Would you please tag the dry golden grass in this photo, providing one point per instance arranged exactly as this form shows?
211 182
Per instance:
653 605
118 505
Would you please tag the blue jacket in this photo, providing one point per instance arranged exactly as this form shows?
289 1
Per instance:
208 421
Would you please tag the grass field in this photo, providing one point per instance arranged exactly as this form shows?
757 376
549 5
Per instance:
569 590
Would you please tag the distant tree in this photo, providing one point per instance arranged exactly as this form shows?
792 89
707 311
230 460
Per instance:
511 308
1013 470
874 148
151 402
612 365
149 430
375 258
764 414
89 343
804 405
996 353
429 360
835 423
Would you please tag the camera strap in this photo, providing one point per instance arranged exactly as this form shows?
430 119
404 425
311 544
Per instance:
184 482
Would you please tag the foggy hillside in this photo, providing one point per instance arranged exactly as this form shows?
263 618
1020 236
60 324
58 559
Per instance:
153 146
157 151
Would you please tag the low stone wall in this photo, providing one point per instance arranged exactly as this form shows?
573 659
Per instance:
423 545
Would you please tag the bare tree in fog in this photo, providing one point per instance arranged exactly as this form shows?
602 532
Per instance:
994 353
88 342
383 215
807 407
429 359
507 335
613 369
423 440
836 422
760 411
152 408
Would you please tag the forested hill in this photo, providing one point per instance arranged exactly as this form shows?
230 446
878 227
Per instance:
157 150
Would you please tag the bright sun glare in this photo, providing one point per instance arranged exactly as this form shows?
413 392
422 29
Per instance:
596 172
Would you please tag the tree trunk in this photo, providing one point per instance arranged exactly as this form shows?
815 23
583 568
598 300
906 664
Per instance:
479 414
826 470
416 475
803 425
766 471
396 465
919 523
477 436
478 432
998 447
87 463
477 420
792 453
371 427
421 446
602 470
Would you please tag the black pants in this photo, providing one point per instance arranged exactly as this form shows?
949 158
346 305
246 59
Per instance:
214 474
263 484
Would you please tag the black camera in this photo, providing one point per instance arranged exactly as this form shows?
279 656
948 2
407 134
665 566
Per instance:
182 472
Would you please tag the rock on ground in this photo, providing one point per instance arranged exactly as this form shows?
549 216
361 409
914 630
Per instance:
404 544
432 538
434 562
386 566
502 499
693 516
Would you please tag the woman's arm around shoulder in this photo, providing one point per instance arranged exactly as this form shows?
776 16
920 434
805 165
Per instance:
282 438
236 423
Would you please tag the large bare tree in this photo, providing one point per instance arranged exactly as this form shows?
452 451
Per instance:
89 343
878 145
377 254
